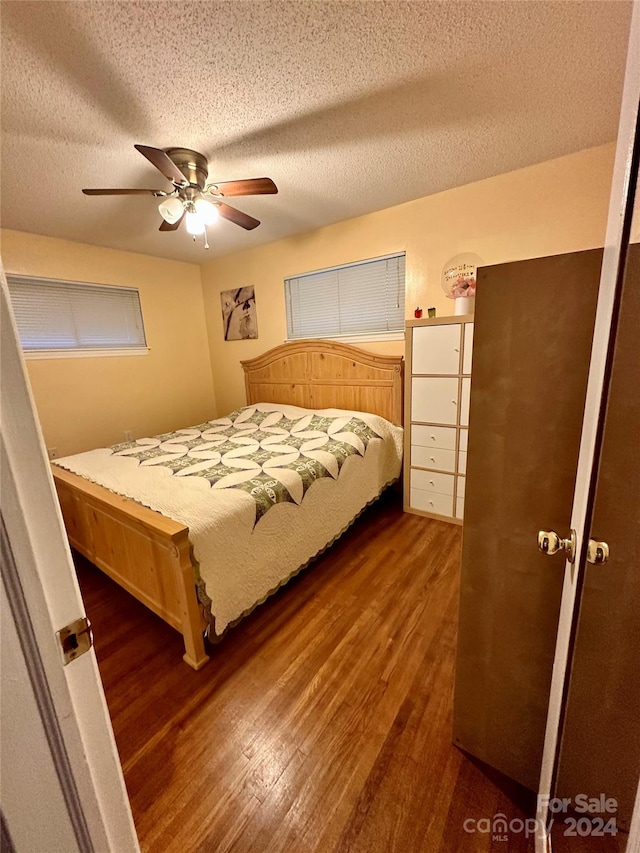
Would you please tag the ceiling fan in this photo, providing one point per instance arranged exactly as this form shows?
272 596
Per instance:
192 198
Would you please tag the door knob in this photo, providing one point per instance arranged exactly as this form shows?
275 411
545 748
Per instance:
597 552
550 543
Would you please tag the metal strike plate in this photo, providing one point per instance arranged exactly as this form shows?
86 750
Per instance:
75 639
597 552
550 543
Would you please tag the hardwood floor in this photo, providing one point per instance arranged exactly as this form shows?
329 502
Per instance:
322 723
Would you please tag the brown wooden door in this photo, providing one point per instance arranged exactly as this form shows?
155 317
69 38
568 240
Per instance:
533 330
600 750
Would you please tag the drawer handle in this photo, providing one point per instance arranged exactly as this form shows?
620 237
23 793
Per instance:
430 503
455 349
432 458
433 438
455 402
431 483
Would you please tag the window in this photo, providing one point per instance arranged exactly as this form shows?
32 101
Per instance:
68 317
364 299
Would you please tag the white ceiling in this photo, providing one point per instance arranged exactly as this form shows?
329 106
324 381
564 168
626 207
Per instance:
349 106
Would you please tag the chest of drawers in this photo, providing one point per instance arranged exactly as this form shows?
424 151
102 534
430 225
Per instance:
437 392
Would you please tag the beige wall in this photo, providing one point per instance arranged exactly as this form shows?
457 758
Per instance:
88 402
557 206
554 207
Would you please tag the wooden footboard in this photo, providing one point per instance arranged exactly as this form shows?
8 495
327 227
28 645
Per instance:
143 551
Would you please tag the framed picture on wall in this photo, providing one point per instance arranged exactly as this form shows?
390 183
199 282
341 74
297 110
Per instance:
239 318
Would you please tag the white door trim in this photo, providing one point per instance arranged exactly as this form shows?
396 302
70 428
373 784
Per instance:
44 593
617 235
20 635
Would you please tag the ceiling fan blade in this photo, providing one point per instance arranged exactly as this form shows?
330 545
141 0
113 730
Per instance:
163 163
124 192
250 186
237 216
171 226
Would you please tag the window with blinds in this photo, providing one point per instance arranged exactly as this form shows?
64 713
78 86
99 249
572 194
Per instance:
69 316
361 299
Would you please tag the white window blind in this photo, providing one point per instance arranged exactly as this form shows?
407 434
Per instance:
68 315
365 298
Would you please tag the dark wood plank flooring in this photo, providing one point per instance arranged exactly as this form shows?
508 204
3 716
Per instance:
322 722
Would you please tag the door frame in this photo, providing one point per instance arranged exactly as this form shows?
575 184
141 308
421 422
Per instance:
621 203
43 596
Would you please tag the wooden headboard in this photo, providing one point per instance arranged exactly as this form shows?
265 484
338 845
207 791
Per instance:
327 375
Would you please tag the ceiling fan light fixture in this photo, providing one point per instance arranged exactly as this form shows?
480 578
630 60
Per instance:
207 212
194 223
171 210
192 199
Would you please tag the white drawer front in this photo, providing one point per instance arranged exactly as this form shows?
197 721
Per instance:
436 349
464 401
468 348
433 436
462 462
434 400
464 438
431 481
459 507
432 502
462 481
433 457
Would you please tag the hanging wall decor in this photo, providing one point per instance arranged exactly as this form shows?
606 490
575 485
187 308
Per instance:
239 318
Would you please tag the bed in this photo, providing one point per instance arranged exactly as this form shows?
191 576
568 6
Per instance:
315 414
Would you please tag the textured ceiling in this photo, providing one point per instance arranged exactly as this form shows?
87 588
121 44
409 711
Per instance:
349 106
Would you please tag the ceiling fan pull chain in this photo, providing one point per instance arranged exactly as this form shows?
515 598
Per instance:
206 242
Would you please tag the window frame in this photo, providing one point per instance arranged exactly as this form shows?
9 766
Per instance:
362 337
105 351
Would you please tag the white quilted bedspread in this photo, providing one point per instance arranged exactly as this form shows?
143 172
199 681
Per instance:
245 552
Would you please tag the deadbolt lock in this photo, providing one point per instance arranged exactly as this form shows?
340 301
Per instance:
597 552
550 543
